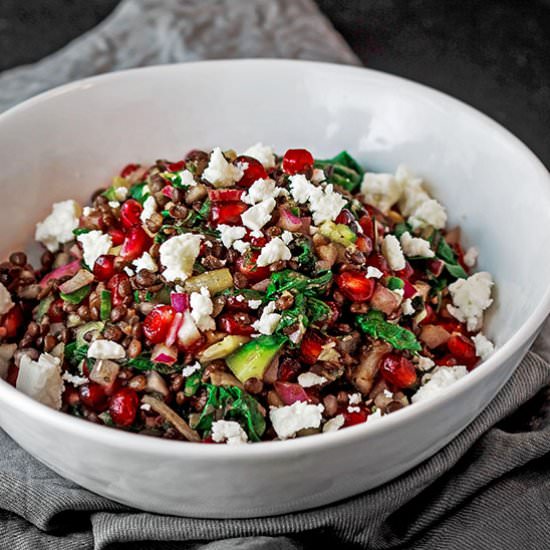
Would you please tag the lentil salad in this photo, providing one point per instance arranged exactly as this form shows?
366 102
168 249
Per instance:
229 298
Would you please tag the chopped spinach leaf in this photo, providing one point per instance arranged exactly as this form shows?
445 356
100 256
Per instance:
374 324
292 280
74 353
342 170
139 192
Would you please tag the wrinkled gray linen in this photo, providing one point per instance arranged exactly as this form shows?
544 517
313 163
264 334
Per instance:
488 488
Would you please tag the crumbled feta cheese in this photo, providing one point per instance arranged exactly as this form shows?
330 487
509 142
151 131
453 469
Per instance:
114 204
230 233
290 419
407 307
219 172
149 208
241 246
374 273
187 178
94 244
263 153
145 261
178 254
41 379
484 347
201 309
388 394
309 379
257 216
106 349
87 210
334 424
325 205
145 407
268 321
391 249
190 369
429 213
260 190
441 378
471 256
414 246
318 176
275 250
228 431
254 304
287 237
424 363
354 409
300 188
58 227
6 303
381 190
413 195
355 398
76 381
121 193
129 271
471 297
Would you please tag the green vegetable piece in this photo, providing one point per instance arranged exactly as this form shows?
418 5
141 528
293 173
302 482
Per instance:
456 270
110 193
303 254
338 233
342 170
395 283
105 305
139 192
84 329
77 296
75 353
143 362
80 231
374 324
43 307
292 280
192 384
401 228
253 358
446 253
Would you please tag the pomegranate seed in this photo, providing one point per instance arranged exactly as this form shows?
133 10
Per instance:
176 166
157 323
232 304
93 396
311 347
367 226
254 170
430 315
130 213
104 267
230 324
378 261
225 195
406 272
12 321
288 369
135 243
123 407
435 266
55 311
128 169
248 266
355 417
117 236
462 348
446 361
297 161
408 290
113 285
355 286
228 213
345 217
258 241
398 370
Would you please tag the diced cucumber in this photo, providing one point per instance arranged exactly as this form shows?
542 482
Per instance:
338 233
215 281
84 329
223 348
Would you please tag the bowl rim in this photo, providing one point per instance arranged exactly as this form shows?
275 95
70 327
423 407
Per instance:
157 446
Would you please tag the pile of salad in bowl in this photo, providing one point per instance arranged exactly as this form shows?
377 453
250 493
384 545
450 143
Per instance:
232 298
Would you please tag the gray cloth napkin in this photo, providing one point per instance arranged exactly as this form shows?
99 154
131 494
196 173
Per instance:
489 488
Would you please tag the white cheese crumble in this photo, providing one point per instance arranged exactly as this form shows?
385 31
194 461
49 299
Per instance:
325 205
414 246
219 172
257 216
268 321
149 208
41 379
407 307
374 273
471 297
274 251
355 398
94 244
254 304
190 369
470 257
178 254
484 346
354 409
58 227
413 195
241 246
87 210
114 204
106 349
287 237
201 309
381 190
391 249
129 271
318 176
290 419
429 213
261 189
228 431
6 303
424 363
441 378
262 153
121 193
145 407
187 178
76 381
309 379
145 261
334 424
230 233
300 188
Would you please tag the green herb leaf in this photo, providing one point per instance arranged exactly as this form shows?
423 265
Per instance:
110 193
143 362
302 252
456 270
80 231
192 384
401 228
74 353
139 192
374 324
292 280
105 305
342 170
77 296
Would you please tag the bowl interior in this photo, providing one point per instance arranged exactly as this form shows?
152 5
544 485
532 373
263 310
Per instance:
69 142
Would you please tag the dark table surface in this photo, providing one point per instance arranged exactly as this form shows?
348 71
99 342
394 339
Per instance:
493 54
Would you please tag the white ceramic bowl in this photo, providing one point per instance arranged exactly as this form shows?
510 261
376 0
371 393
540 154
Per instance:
67 142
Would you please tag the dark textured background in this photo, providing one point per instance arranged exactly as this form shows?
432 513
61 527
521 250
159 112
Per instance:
493 54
